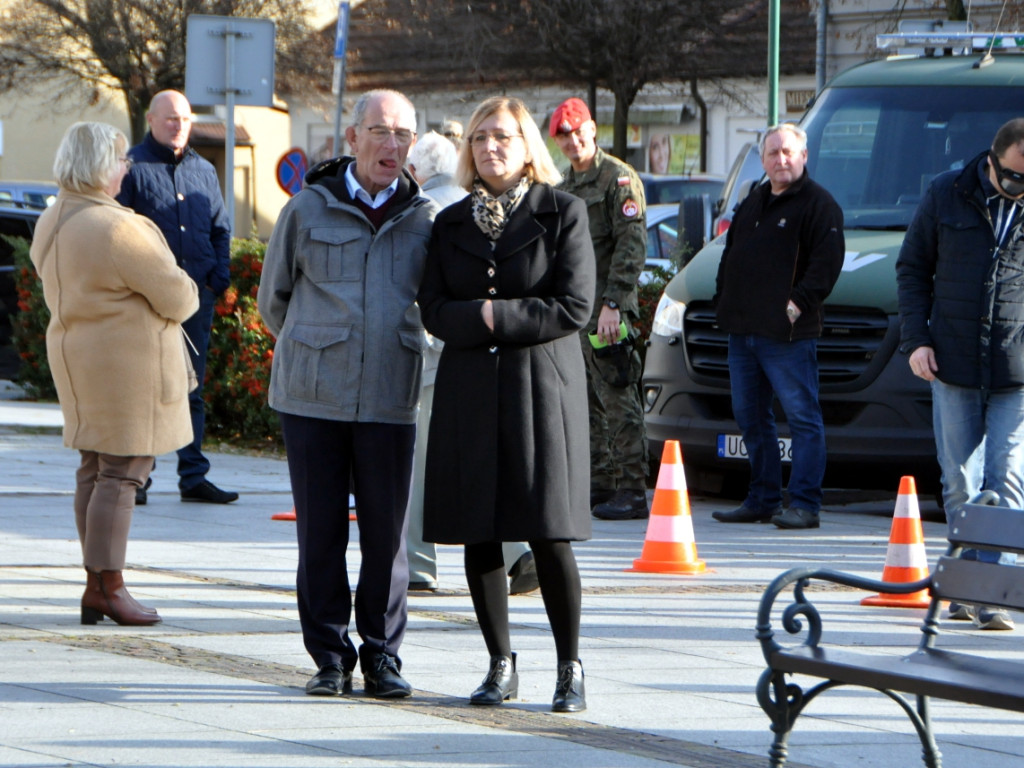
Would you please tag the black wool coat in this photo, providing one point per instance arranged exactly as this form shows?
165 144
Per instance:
508 455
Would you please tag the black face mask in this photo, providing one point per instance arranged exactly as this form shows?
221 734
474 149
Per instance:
1011 182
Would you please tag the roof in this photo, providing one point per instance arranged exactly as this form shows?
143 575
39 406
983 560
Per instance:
208 133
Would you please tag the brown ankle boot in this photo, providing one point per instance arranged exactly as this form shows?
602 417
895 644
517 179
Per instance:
106 595
92 582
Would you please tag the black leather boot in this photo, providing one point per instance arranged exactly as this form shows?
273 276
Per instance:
501 683
570 692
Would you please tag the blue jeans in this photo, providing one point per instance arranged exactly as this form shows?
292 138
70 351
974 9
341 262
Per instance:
979 439
192 464
761 369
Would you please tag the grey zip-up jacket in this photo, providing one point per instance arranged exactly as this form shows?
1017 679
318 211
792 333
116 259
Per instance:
340 296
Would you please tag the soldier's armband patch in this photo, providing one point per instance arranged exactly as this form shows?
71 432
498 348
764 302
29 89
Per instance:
630 209
623 181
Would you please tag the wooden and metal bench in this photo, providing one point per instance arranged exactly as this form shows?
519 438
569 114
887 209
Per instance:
928 672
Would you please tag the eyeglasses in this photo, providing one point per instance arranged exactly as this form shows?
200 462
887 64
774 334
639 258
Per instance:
128 162
501 139
1012 182
380 133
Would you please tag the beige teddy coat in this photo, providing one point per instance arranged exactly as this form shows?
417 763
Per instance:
116 298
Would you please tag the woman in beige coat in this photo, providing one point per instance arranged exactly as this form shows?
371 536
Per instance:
115 347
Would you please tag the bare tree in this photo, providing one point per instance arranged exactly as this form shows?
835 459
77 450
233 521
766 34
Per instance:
620 45
77 48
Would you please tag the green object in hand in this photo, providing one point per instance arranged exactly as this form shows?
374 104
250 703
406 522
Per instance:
598 343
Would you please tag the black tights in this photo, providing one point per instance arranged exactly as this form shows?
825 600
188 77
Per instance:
560 588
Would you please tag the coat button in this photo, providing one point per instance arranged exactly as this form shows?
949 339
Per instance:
493 350
490 272
181 196
492 291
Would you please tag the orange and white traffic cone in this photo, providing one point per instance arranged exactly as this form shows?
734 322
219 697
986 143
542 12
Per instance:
669 546
906 559
290 515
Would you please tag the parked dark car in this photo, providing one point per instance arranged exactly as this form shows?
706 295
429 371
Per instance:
16 220
672 188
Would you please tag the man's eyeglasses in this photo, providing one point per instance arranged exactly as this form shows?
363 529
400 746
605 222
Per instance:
128 162
501 139
380 133
1011 181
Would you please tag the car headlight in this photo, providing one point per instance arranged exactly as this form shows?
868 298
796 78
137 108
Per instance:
668 317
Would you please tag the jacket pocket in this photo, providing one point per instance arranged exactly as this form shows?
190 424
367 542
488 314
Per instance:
336 254
319 364
173 377
404 369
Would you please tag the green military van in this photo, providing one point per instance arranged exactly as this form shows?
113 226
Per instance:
877 135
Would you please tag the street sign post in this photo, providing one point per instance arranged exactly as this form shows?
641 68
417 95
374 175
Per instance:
340 46
226 39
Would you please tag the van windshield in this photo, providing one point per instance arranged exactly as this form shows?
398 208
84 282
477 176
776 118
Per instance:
877 149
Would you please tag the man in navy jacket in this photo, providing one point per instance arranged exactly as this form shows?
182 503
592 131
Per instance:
962 324
169 183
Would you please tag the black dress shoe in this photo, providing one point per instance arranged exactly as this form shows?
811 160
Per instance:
743 514
141 497
570 693
207 492
331 680
523 575
626 504
501 683
601 496
796 518
383 680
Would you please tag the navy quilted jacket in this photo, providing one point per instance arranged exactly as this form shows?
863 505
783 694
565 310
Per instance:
184 200
958 293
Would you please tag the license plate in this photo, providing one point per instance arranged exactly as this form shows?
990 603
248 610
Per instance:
732 447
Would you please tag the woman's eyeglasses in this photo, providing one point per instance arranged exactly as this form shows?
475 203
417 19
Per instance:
501 139
128 162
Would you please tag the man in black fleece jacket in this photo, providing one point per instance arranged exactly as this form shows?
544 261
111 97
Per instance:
783 255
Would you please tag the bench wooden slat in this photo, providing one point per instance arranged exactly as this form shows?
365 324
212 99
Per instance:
953 676
972 581
988 527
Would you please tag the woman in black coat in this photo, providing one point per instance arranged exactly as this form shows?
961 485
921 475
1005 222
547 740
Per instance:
509 283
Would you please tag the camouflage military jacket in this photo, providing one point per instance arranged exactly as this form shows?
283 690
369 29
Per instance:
617 211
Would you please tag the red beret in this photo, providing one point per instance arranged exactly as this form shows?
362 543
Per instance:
570 115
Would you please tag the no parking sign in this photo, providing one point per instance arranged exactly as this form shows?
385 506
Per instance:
291 169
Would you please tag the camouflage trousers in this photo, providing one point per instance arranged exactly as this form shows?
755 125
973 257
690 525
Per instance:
618 438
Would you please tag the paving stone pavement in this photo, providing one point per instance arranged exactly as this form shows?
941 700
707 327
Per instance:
671 660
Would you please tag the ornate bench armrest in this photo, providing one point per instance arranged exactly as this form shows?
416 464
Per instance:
802 607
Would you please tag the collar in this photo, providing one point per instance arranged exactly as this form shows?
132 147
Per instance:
591 173
164 153
357 192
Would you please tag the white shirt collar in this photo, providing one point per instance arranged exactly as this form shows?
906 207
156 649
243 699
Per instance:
357 192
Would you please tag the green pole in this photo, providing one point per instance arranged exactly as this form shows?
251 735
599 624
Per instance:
773 62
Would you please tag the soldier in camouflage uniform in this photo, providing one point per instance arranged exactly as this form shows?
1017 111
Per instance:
616 208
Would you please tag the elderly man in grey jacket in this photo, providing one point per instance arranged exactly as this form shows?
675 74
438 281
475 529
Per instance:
339 292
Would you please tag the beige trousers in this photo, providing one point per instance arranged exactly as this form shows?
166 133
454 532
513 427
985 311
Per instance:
104 501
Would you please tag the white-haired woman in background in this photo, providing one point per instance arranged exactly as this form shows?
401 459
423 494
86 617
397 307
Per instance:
115 347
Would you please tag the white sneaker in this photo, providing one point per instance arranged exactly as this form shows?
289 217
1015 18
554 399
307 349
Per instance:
962 612
993 618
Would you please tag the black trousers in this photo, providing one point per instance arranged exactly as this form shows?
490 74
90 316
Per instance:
325 460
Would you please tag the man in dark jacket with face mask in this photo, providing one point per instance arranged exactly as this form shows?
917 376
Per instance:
961 300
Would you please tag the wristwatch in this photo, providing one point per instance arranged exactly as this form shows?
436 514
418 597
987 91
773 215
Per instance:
611 304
